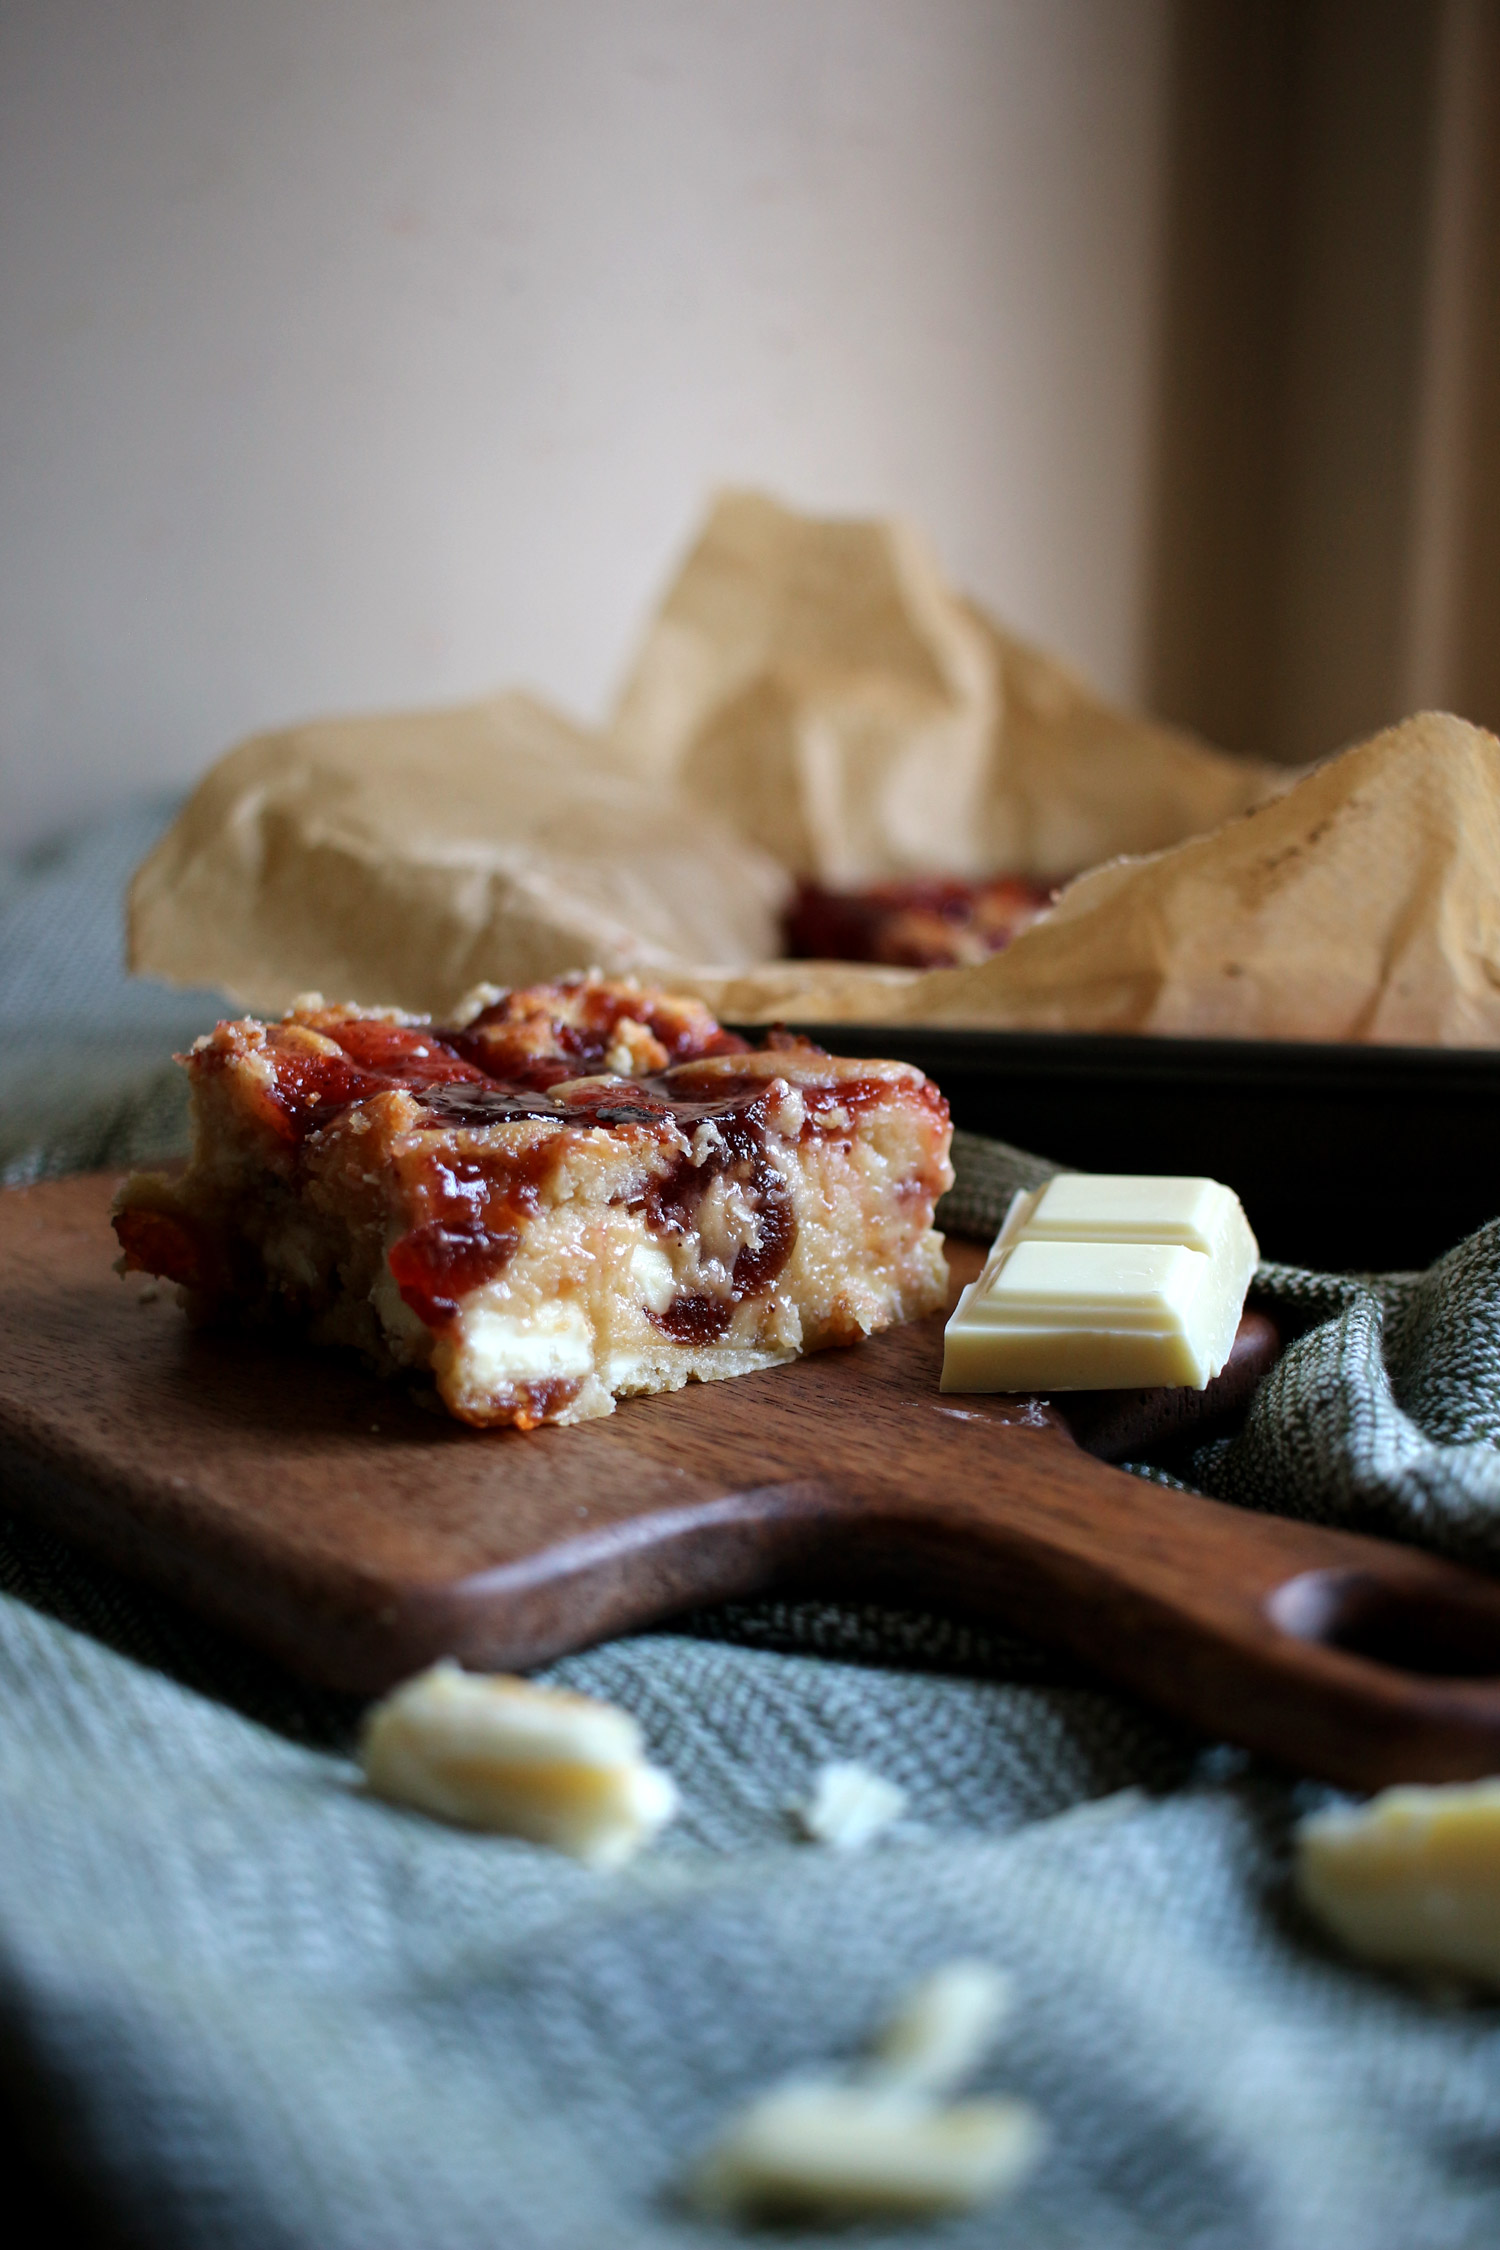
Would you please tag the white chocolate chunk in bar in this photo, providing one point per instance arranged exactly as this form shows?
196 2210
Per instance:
849 1805
1411 1879
492 1752
1105 1281
880 2142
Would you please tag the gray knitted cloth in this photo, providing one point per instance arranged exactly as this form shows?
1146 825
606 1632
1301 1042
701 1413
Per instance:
243 2005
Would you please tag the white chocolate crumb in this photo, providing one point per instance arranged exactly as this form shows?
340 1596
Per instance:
880 2141
1411 1879
849 1805
786 1110
474 1002
489 1751
707 1141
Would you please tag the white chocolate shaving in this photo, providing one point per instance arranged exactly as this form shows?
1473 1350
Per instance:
1411 1879
849 1805
880 2141
943 2029
492 1752
817 2149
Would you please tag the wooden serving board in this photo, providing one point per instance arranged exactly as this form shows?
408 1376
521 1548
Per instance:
356 1533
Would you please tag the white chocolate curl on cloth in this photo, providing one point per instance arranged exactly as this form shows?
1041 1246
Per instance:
1364 904
811 697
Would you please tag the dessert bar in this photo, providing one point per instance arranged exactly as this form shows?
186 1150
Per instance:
573 1192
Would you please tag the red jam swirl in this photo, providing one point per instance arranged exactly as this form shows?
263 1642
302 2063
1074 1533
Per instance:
472 1219
311 1083
158 1242
407 1054
474 1213
521 1043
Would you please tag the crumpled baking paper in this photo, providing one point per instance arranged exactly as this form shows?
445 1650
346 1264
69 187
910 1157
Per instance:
402 860
1364 904
812 697
819 684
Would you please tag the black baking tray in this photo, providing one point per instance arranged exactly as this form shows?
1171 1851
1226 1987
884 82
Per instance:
1348 1158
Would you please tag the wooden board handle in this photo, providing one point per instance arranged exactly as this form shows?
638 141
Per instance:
1337 1655
1347 1657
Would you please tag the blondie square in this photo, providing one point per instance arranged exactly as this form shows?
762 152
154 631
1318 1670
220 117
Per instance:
574 1192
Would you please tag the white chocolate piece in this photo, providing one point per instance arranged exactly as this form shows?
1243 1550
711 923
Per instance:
488 1751
1129 1207
849 1806
1411 1879
1105 1281
942 2030
817 2149
881 2142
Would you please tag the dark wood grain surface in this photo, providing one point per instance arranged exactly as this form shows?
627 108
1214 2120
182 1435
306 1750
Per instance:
351 1529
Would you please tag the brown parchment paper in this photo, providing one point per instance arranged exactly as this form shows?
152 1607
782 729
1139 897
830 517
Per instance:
819 684
1364 904
401 860
812 696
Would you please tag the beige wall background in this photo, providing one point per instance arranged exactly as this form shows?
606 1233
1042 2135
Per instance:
360 352
373 352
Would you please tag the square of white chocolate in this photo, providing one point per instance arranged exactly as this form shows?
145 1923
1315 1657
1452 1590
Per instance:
1105 1281
1131 1207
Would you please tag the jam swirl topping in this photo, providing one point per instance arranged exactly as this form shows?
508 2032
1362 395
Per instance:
478 1211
